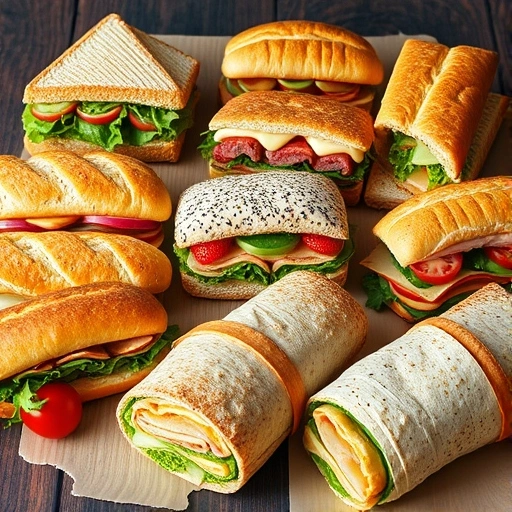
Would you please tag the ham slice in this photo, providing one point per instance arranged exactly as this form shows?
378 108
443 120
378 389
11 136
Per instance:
232 147
295 152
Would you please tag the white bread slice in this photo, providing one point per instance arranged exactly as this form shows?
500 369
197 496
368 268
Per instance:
383 191
114 62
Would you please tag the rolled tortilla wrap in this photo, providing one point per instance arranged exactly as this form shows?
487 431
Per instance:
397 416
226 397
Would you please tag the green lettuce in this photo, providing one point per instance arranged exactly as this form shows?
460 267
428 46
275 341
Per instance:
11 389
169 125
173 457
250 272
208 143
400 155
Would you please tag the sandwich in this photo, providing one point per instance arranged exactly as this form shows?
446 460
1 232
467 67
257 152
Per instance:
101 191
440 246
301 56
272 130
232 390
116 88
397 416
436 122
37 263
44 340
237 234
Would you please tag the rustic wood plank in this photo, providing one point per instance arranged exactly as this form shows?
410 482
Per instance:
501 16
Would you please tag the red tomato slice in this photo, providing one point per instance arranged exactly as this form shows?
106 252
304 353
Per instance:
49 115
438 270
106 117
208 252
142 125
400 290
59 415
323 244
500 255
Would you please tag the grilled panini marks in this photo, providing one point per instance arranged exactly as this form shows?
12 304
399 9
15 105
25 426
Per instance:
270 202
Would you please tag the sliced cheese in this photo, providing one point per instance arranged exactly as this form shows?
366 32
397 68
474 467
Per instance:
274 141
418 179
53 222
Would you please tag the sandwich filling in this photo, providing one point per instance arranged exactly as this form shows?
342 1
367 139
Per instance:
106 124
132 355
264 258
347 456
243 151
179 440
430 287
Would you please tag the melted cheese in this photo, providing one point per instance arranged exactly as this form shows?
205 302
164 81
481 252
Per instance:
274 141
53 222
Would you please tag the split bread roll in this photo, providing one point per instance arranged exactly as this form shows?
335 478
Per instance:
99 191
37 263
273 130
231 391
101 338
430 114
440 391
235 235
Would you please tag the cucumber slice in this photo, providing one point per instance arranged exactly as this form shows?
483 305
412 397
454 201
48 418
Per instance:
422 156
52 108
233 87
295 85
269 244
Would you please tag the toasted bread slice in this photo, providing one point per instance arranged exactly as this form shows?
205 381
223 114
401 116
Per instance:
114 62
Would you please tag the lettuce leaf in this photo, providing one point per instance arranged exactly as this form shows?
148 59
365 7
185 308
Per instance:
169 125
11 389
208 143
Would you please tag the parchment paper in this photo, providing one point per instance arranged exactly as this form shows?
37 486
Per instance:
105 467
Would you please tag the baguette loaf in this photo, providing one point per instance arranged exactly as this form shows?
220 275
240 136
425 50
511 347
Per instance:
37 263
436 95
59 183
53 325
432 222
302 50
115 62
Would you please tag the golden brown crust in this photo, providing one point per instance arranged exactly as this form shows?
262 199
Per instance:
302 50
165 79
56 183
297 113
37 263
437 95
154 151
431 222
58 323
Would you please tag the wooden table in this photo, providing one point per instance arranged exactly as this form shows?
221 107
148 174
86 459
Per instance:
33 33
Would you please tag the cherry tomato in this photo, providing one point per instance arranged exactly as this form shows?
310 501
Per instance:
438 270
502 256
141 124
106 117
59 415
323 244
208 252
52 111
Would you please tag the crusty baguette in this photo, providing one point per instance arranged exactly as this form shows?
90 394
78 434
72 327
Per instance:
431 222
57 183
59 323
37 263
300 114
383 191
153 151
437 95
269 202
302 50
117 62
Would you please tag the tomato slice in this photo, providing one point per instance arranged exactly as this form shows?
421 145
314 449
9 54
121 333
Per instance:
51 112
401 290
502 256
141 124
438 270
208 252
104 118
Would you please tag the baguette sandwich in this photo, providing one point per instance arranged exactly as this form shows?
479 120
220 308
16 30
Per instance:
45 339
237 234
116 88
304 56
436 122
38 263
101 191
440 246
272 130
